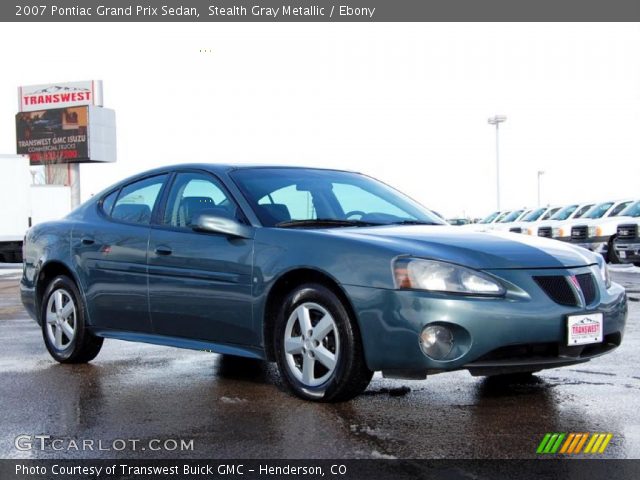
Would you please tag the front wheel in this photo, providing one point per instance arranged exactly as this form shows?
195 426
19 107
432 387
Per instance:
318 346
63 324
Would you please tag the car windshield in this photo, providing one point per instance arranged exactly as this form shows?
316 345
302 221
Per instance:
289 197
512 216
599 210
489 218
632 210
535 215
564 213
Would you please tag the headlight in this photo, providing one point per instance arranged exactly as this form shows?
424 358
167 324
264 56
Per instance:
595 231
557 232
420 274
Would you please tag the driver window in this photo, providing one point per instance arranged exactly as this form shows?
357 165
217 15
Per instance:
194 194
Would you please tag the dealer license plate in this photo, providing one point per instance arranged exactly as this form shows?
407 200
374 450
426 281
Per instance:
584 329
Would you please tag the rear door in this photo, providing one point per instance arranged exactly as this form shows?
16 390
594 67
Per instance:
112 251
200 283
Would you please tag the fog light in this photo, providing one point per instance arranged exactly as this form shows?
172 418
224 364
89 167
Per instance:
436 341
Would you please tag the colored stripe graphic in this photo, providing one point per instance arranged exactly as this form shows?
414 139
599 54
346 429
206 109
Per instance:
583 439
605 443
573 443
567 443
592 440
543 443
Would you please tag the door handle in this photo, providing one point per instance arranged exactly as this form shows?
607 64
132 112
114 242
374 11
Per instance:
164 251
87 241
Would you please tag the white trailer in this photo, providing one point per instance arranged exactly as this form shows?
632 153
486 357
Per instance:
24 205
15 178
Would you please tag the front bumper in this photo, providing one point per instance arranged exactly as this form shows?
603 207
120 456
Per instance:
525 330
595 244
628 251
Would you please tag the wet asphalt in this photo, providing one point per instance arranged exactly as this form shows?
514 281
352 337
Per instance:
236 408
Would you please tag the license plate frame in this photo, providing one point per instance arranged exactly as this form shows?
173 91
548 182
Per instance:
585 329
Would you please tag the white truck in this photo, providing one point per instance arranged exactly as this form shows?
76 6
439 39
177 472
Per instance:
24 204
598 230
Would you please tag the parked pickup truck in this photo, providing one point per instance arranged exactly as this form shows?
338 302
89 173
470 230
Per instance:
627 242
598 230
529 223
559 225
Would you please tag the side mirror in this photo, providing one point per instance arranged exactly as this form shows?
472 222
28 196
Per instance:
216 224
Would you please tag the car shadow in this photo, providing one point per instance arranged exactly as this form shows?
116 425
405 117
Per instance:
230 367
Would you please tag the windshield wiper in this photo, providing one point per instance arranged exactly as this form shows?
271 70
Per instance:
414 222
325 222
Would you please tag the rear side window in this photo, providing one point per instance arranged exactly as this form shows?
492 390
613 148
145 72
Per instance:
109 201
618 208
137 200
550 213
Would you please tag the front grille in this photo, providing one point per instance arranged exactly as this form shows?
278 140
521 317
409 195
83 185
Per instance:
558 289
588 287
516 230
627 231
579 232
544 232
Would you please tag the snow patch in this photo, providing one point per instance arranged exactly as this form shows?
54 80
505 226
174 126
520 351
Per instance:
383 456
624 268
232 400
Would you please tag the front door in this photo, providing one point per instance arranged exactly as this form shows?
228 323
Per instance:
200 283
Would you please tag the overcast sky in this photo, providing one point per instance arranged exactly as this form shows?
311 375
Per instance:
407 103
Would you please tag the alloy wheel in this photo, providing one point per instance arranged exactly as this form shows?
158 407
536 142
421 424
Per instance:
61 319
311 344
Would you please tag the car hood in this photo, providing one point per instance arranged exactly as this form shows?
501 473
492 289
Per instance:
604 221
480 250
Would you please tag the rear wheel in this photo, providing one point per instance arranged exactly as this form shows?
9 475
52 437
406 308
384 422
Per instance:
318 347
63 324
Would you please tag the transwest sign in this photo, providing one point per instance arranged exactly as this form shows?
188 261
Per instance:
58 95
65 123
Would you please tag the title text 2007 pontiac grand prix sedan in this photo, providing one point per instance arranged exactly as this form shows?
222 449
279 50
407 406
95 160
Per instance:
331 274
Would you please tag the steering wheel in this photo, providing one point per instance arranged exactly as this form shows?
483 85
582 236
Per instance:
355 212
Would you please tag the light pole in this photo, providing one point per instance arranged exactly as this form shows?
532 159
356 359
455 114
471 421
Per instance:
540 173
497 120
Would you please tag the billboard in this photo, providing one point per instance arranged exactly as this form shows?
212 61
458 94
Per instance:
57 95
67 135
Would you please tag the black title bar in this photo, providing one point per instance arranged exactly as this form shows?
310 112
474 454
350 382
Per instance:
320 11
130 469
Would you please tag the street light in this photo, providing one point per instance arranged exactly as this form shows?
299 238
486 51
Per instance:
540 173
497 120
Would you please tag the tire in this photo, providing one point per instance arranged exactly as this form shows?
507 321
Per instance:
64 329
329 364
637 264
612 255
